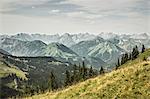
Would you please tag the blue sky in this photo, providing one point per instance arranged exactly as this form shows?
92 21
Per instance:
75 16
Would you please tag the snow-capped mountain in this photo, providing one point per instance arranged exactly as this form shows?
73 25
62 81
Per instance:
107 36
31 37
83 37
140 36
65 39
72 39
126 44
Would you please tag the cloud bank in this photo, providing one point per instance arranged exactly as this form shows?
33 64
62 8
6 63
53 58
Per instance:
55 16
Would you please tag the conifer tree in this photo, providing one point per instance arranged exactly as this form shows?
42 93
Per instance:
123 59
143 48
116 67
52 81
118 62
101 71
130 56
68 78
91 72
135 52
84 70
74 77
126 57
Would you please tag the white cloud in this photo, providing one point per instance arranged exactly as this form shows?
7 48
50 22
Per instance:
55 11
8 5
83 15
88 16
23 2
107 6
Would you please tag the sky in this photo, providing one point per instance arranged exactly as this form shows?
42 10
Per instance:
74 16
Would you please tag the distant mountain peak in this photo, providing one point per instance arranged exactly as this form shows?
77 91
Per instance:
59 50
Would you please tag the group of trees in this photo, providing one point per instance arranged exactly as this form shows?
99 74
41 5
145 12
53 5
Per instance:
52 82
78 73
129 56
81 73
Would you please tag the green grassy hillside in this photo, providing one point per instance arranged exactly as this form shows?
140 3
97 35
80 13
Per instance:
6 70
9 76
130 81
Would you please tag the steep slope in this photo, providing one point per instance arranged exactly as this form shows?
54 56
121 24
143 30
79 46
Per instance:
6 70
82 48
59 50
35 48
4 52
38 48
66 39
98 48
128 43
10 77
22 48
107 51
20 75
130 81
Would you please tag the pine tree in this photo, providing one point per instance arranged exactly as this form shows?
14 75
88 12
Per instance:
91 72
118 62
130 56
68 78
84 71
74 77
143 48
123 59
80 72
116 67
52 81
126 57
135 52
101 71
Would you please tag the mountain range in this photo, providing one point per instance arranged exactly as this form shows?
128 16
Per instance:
97 50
